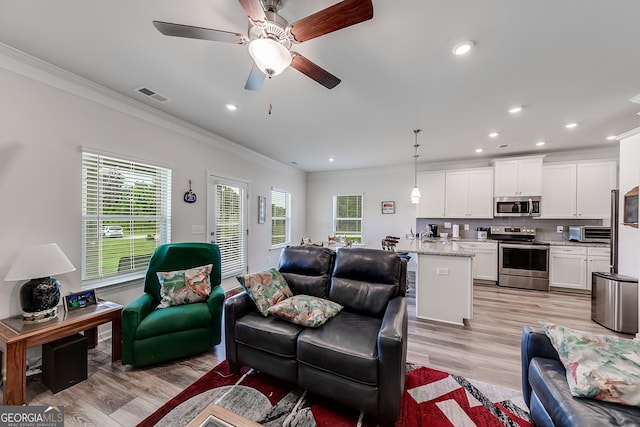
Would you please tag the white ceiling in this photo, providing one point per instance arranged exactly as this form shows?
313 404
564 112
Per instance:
564 60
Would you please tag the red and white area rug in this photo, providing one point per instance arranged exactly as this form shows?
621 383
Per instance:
432 398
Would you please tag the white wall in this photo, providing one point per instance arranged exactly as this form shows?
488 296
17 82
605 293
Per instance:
376 185
629 237
48 115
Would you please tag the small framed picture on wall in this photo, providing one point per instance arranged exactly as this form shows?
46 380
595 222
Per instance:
262 209
389 207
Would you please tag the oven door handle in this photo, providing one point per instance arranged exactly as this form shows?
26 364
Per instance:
520 246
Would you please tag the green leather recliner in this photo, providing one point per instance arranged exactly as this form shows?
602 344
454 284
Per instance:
153 336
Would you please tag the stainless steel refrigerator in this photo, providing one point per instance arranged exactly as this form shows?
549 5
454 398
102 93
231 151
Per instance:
614 298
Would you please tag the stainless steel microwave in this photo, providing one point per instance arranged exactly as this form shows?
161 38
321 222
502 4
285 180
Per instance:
589 233
516 206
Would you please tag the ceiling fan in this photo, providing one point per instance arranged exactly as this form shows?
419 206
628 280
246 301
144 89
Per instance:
270 37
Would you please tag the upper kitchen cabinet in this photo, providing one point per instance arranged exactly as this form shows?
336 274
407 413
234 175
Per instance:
520 176
469 193
595 182
578 190
432 187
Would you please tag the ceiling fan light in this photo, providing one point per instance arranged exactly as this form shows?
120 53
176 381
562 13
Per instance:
270 56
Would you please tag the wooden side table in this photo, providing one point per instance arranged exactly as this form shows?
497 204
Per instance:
17 336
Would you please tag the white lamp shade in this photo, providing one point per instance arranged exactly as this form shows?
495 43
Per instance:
270 56
37 261
415 195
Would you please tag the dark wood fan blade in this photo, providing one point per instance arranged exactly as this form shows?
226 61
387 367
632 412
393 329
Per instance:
336 17
313 71
253 9
179 30
256 79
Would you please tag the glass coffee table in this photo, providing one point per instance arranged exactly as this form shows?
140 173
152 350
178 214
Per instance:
216 416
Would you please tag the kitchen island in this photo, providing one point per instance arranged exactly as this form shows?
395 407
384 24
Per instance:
444 280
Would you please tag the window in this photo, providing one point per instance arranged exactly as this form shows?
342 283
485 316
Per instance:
347 217
280 218
126 214
230 225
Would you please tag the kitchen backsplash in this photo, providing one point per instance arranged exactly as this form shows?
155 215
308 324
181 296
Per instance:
546 229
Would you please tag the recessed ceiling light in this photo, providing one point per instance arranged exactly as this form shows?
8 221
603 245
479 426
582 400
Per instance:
493 134
611 137
516 109
232 107
479 150
331 159
463 48
570 125
540 143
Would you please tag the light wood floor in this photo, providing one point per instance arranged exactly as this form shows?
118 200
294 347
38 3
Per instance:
486 349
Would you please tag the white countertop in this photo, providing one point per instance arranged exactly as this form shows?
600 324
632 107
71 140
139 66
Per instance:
433 248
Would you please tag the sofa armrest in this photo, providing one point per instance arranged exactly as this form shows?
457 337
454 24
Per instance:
534 343
392 355
234 308
132 314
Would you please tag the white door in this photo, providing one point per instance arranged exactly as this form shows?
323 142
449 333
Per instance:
457 194
559 191
228 222
481 193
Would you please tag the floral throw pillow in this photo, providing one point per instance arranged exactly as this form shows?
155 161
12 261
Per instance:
265 288
603 367
184 286
306 310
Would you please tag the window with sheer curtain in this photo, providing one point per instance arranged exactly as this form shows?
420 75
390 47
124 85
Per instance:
126 214
347 217
280 218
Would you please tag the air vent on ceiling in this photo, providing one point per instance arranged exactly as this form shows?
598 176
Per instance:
151 94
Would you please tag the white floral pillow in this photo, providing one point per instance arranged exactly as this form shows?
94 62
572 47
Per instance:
603 367
184 286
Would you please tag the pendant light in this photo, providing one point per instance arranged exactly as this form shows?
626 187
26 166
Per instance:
415 193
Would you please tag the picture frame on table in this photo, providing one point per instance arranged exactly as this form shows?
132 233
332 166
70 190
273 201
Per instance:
262 209
388 207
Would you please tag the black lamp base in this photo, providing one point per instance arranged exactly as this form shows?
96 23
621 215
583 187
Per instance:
39 299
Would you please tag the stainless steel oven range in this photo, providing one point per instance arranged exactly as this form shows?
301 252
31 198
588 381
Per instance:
522 261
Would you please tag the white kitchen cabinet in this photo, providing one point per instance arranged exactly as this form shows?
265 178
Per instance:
559 191
598 261
518 176
578 190
469 193
570 267
485 262
595 182
432 190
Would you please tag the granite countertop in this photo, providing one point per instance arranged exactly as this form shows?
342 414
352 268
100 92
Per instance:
433 248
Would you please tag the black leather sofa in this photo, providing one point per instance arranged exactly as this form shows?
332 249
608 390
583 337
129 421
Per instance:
356 358
546 392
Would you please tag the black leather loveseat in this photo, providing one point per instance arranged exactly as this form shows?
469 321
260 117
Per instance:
546 392
358 357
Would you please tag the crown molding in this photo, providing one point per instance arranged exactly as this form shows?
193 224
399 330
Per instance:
28 67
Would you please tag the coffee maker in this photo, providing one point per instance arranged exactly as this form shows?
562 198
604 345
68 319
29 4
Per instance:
434 230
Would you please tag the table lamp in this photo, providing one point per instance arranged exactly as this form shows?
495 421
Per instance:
39 296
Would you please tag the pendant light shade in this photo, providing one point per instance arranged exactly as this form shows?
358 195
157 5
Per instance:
415 193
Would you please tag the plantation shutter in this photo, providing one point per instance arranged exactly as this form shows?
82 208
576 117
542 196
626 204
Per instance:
126 214
231 227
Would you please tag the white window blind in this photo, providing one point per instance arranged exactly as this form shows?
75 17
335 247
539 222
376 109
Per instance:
231 227
280 218
347 217
126 214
